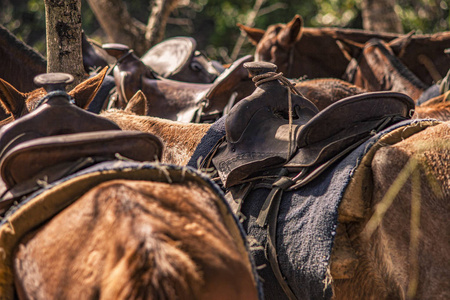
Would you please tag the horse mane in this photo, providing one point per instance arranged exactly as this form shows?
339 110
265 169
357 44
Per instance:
20 63
397 64
440 111
147 259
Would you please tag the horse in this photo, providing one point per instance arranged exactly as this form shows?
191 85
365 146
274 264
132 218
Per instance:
301 51
392 260
131 229
437 108
375 67
20 63
325 91
17 103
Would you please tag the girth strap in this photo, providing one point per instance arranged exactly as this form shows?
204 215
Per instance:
268 217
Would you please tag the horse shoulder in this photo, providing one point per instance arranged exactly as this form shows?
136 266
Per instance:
389 266
180 139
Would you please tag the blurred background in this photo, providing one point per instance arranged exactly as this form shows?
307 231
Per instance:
213 22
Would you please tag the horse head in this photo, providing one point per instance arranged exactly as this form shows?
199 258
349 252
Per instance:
276 44
18 104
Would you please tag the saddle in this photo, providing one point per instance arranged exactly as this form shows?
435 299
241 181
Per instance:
278 140
58 138
177 59
177 100
259 135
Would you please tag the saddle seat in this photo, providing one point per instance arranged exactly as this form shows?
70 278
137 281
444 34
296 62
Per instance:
259 137
177 59
59 135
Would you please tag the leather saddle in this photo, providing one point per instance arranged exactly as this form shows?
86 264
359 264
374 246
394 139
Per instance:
259 136
58 138
178 59
177 100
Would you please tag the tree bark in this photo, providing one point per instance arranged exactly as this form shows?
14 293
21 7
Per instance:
157 21
380 16
119 26
63 27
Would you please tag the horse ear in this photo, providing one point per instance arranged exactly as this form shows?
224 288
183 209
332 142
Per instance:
254 34
137 104
399 44
85 92
349 48
291 33
11 99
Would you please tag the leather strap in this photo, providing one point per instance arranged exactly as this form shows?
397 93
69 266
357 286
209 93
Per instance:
268 216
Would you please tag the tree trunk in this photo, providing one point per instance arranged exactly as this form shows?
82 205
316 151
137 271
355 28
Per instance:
380 16
63 26
120 27
157 21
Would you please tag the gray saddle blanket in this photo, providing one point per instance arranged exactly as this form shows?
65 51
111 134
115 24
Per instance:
306 225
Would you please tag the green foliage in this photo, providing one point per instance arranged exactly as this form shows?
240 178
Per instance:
213 22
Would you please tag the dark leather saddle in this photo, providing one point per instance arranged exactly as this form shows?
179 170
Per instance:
59 138
178 59
177 100
259 136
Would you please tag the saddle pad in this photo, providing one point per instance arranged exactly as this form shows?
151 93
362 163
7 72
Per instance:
307 220
44 204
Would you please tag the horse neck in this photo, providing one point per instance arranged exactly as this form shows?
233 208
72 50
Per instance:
19 63
180 139
389 73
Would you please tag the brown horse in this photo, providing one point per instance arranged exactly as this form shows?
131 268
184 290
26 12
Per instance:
325 91
437 108
136 239
141 231
300 51
375 67
17 104
392 262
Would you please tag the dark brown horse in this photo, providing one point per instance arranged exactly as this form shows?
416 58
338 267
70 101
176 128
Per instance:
19 63
375 67
300 51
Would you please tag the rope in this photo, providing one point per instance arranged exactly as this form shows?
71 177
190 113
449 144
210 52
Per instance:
271 76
